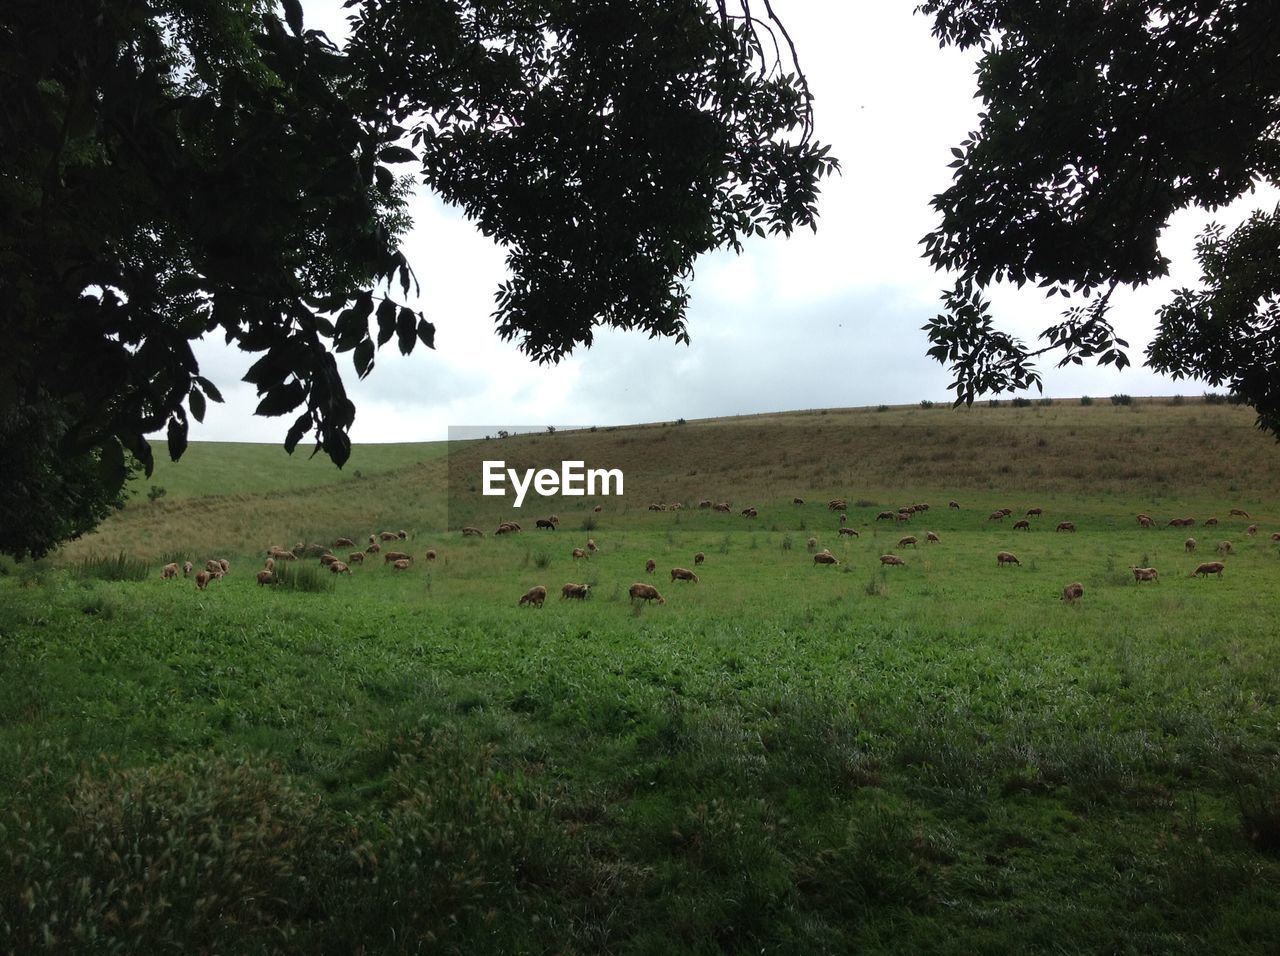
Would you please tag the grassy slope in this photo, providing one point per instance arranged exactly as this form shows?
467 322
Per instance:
939 757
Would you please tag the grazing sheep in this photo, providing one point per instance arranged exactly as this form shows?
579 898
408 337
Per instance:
797 501
355 557
657 507
721 506
683 574
224 566
169 571
534 596
1251 530
203 578
271 565
576 592
923 507
1237 513
344 543
598 508
374 548
904 515
373 538
579 553
388 535
339 567
212 565
1224 547
1145 521
646 593
396 556
327 559
1023 525
676 506
506 528
280 554
401 564
402 535
825 557
431 554
1066 526
266 577
186 568
1275 536
886 516
750 513
1208 568
699 558
1190 545
704 503
1004 557
650 566
1210 522
1007 511
848 532
953 504
1073 592
1175 523
996 516
1144 574
592 546
892 559
838 504
908 541
474 532
1034 512
932 538
813 542
545 523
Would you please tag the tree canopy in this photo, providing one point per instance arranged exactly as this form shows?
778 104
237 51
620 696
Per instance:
1101 120
171 169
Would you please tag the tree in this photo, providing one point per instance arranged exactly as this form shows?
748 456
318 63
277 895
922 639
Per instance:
174 168
1101 120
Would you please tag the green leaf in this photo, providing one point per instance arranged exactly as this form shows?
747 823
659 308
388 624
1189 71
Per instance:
177 436
397 154
386 321
364 358
196 402
427 333
210 389
282 400
405 331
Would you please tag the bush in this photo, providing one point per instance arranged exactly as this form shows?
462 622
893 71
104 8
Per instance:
1021 402
1214 398
542 560
882 408
993 403
156 493
926 404
1045 402
1177 400
1121 399
1086 400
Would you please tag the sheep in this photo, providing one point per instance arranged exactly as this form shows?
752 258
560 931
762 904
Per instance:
1145 521
1034 512
373 538
813 543
657 507
1224 547
186 569
271 565
212 565
699 558
676 506
932 538
579 553
592 546
704 503
576 592
953 504
904 515
1190 545
1252 530
545 523
431 554
908 541
1023 525
374 548
923 507
340 567
825 557
1175 523
1208 568
892 560
1275 536
393 556
996 516
388 535
401 564
650 566
472 532
402 535
1004 557
838 504
797 501
505 528
203 578
1066 526
646 593
534 596
169 571
355 557
1210 522
1073 592
683 574
344 543
886 516
266 577
598 508
327 559
1238 513
280 554
1144 574
848 532
722 506
750 513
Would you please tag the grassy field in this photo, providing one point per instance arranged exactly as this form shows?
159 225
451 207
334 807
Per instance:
941 757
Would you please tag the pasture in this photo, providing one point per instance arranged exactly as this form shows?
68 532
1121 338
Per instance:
940 757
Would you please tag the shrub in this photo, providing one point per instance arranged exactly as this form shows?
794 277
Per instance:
1121 399
1086 400
926 404
1214 398
542 560
156 493
882 408
1021 401
1177 400
1045 402
993 403
681 421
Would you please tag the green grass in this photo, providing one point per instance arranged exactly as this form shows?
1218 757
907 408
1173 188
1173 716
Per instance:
941 757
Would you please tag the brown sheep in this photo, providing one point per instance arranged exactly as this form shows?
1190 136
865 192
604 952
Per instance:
848 532
1145 521
579 553
388 535
203 578
545 523
1004 557
1190 545
327 559
598 508
1023 525
266 577
280 554
657 507
472 532
813 543
393 556
932 538
1238 513
650 566
534 596
750 513
1073 592
908 541
1224 547
169 571
721 506
1210 522
953 504
1275 536
431 554
592 546
1007 511
825 557
186 568
699 558
676 506
506 528
797 501
1034 512
374 548
1210 567
683 574
401 564
576 592
844 518
1251 530
344 543
373 538
355 557
838 504
886 516
923 507
996 516
704 503
646 593
402 535
226 567
339 567
892 560
1066 526
271 565
904 515
212 565
1144 574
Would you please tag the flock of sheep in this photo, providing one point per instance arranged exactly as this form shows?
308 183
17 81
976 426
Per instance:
641 592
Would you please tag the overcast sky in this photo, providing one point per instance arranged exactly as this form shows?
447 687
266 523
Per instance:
824 320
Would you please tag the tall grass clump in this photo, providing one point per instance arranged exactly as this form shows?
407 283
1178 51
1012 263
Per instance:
1121 399
1086 400
118 568
292 576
